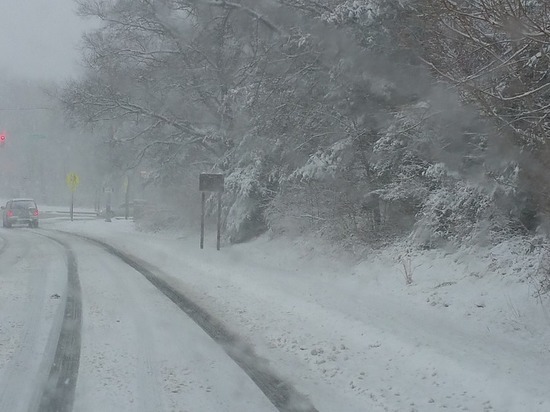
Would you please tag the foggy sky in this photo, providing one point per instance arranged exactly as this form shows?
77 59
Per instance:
39 38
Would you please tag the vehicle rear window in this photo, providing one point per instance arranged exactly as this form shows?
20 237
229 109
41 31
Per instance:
23 204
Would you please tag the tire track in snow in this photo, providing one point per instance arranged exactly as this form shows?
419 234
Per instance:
281 394
59 390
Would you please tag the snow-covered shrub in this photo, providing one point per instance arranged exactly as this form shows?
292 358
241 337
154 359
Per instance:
248 190
361 11
459 211
300 209
538 268
243 197
331 196
325 208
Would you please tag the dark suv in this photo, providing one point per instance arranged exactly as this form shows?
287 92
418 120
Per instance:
20 211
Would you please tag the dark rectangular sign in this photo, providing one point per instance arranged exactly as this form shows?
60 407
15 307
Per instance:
211 182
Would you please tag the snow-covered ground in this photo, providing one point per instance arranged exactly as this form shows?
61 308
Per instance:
101 337
467 334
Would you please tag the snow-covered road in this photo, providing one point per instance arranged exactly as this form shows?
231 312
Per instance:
140 352
131 350
350 337
33 285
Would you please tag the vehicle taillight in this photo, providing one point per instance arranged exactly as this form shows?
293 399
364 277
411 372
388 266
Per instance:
35 212
10 213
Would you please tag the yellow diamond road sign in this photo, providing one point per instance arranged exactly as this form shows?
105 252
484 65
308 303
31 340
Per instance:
73 181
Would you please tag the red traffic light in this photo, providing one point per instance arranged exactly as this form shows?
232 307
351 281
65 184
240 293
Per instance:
3 137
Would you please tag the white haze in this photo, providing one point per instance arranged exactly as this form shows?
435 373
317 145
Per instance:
40 38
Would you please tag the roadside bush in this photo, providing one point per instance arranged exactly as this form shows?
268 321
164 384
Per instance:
248 191
540 247
336 211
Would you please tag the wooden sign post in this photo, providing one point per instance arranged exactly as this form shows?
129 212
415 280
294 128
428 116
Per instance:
211 182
